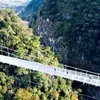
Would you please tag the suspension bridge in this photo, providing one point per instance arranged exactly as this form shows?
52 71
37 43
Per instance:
8 56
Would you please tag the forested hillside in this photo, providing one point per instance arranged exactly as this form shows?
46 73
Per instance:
76 23
30 12
22 84
72 29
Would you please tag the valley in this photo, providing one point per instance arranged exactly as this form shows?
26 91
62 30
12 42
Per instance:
54 33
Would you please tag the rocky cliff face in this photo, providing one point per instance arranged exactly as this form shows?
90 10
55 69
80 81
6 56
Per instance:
42 28
45 29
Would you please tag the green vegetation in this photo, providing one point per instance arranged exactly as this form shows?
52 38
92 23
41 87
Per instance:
22 84
31 10
78 22
75 29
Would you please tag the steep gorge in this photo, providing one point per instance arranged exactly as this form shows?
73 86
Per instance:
72 29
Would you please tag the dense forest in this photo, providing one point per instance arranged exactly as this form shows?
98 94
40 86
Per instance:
72 29
78 24
23 84
62 31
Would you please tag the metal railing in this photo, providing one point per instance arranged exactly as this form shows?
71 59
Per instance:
9 56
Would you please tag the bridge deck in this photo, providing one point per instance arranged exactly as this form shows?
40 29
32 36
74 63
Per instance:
65 73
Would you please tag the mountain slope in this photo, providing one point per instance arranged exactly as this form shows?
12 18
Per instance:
18 83
72 29
78 25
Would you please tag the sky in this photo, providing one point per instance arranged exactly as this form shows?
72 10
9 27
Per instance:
13 2
5 1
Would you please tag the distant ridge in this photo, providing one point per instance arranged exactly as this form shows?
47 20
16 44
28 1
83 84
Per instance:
10 3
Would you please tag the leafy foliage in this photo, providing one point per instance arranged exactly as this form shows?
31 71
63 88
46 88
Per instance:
77 21
23 84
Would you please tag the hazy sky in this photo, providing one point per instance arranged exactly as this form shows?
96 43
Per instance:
13 2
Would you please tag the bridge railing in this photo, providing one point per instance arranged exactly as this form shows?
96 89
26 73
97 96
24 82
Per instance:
14 53
75 74
81 70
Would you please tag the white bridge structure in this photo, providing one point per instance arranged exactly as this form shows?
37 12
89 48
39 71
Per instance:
69 72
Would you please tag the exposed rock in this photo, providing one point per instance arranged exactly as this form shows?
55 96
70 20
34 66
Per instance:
45 29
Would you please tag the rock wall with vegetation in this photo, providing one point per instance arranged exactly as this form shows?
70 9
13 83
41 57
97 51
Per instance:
76 23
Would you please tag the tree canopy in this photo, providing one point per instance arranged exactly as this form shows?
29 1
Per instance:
77 22
23 84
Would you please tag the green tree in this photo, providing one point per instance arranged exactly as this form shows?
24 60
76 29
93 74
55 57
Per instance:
24 84
1 97
23 94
